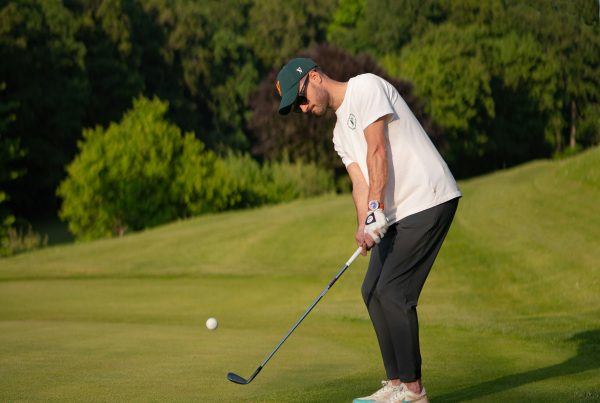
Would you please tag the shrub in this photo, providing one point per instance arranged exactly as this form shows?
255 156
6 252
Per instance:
6 221
245 183
288 181
142 172
21 240
135 174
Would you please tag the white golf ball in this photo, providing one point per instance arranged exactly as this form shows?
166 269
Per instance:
212 323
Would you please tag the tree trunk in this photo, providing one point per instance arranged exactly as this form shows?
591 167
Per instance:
573 132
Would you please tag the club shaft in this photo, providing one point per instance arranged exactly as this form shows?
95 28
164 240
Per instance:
316 301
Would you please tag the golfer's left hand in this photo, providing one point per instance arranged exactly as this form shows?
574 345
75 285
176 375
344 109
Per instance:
360 240
375 227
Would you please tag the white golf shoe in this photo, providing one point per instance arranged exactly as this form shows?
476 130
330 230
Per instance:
381 395
403 395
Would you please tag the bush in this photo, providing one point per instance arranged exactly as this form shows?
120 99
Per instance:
6 222
142 172
135 174
21 240
288 181
244 183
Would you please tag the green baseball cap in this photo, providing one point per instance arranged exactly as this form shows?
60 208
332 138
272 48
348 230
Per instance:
288 81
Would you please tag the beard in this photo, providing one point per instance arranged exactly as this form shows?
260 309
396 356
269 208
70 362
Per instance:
319 110
322 100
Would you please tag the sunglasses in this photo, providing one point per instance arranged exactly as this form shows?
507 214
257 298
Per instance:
301 98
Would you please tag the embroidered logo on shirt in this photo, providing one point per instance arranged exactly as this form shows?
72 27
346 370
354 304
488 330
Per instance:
352 121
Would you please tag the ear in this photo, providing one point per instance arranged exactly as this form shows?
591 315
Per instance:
315 76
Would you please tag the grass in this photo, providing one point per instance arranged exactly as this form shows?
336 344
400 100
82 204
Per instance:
511 311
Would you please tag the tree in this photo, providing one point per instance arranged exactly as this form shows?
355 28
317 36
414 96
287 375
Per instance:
449 71
276 33
136 174
508 79
233 72
524 85
43 67
570 34
493 94
112 59
10 152
378 27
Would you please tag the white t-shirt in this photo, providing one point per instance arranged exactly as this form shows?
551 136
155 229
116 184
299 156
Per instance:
418 177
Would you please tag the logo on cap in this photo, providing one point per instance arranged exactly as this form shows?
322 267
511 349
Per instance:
299 70
278 86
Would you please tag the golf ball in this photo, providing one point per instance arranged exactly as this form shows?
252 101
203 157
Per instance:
212 323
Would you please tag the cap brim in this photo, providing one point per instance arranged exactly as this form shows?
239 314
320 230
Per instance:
287 100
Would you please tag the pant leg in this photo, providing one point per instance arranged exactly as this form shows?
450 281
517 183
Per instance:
394 280
378 256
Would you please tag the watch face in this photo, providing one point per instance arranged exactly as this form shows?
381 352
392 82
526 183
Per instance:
373 205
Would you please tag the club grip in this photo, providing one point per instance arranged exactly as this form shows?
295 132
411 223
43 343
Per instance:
354 256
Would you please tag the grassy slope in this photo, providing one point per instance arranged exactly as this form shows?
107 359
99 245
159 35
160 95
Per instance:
511 311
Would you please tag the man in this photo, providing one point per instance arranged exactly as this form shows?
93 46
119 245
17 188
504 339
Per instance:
405 198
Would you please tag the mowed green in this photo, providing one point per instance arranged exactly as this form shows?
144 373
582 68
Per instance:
511 311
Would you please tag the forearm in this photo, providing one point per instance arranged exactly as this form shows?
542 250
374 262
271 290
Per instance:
378 172
360 194
377 158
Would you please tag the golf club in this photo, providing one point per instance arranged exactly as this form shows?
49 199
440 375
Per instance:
238 379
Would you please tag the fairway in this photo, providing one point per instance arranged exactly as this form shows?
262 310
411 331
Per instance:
510 313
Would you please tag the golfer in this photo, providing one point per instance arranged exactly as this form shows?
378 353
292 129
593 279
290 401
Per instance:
405 198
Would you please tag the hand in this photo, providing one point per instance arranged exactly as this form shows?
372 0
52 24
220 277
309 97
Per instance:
375 227
360 240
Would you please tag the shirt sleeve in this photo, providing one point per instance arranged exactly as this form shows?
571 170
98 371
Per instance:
337 144
373 100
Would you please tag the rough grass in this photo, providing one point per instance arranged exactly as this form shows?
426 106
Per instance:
511 311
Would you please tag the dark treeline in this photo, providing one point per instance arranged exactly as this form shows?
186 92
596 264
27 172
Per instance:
497 82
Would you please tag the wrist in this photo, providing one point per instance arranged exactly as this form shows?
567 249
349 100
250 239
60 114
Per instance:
375 205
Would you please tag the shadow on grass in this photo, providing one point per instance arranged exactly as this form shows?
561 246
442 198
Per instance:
587 358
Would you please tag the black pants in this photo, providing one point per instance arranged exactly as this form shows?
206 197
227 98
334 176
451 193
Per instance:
397 271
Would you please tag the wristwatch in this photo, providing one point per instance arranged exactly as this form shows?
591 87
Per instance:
375 204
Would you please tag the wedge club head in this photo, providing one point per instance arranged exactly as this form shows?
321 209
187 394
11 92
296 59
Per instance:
235 378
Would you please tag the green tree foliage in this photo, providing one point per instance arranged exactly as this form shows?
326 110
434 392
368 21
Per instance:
448 68
135 174
380 26
569 32
233 73
10 152
518 80
343 30
524 86
493 95
43 67
278 31
205 57
508 80
79 63
150 48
